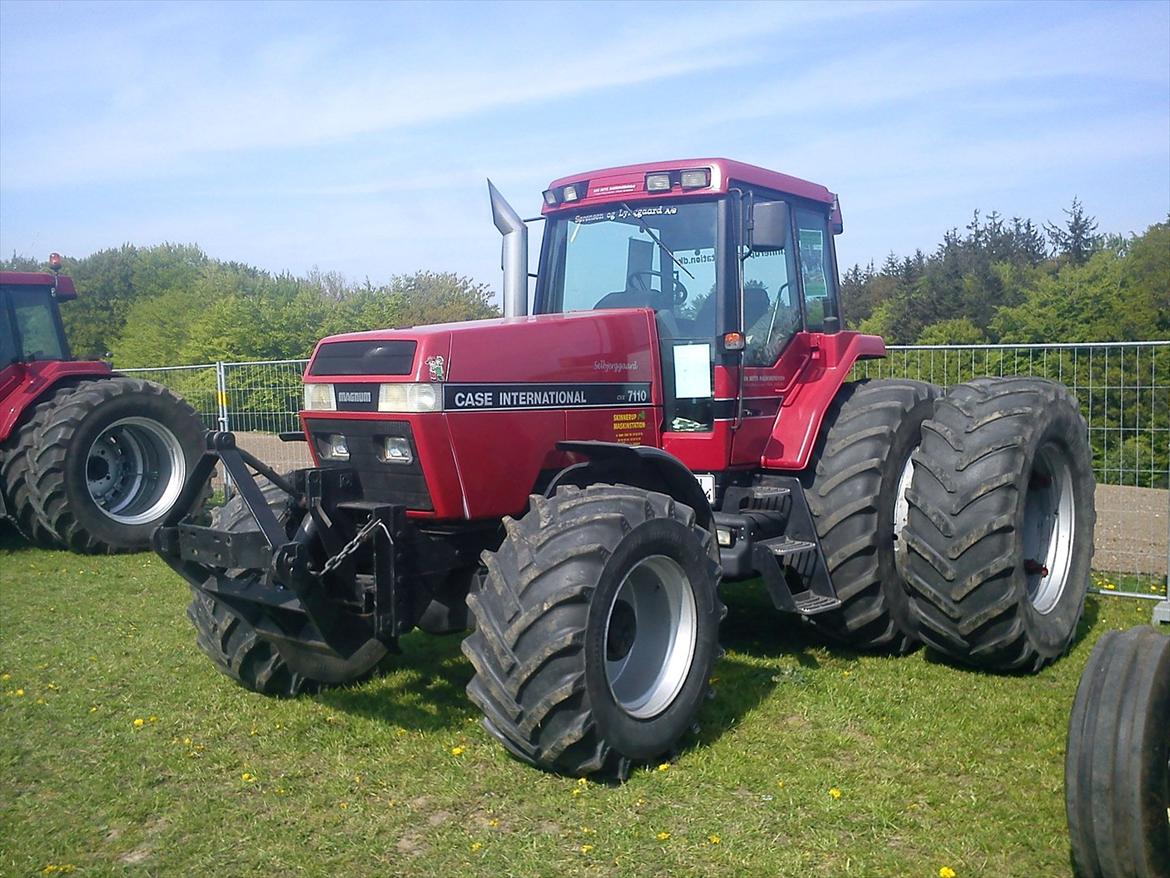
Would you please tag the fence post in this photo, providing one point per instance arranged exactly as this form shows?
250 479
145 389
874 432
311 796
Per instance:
221 401
221 397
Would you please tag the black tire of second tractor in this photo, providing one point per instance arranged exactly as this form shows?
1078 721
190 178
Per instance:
1117 776
62 443
541 610
993 445
852 488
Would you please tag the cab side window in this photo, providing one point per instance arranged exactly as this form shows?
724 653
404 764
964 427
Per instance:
816 268
7 336
771 312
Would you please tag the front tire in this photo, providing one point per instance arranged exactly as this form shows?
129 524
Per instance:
596 630
110 461
1000 531
1117 776
240 652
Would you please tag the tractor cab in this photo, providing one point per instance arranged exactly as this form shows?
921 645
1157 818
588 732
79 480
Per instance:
738 266
30 323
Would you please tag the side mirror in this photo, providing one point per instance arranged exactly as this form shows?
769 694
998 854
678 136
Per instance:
769 226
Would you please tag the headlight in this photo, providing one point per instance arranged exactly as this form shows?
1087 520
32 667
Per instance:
396 449
410 398
320 398
333 447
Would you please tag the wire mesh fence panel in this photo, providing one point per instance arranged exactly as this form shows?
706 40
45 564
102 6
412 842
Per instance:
262 399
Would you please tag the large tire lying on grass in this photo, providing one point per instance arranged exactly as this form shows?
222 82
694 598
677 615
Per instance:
1117 777
596 629
110 460
234 645
1000 530
16 477
855 493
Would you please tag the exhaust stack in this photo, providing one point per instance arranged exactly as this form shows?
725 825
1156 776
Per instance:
513 254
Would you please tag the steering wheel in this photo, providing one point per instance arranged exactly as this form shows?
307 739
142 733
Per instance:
678 295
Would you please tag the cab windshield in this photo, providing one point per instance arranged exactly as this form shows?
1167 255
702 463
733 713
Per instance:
660 256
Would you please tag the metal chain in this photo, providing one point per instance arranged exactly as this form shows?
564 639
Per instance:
352 546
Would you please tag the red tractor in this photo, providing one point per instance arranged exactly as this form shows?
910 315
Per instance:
573 485
89 460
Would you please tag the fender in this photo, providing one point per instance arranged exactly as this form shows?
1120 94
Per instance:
794 435
637 465
33 381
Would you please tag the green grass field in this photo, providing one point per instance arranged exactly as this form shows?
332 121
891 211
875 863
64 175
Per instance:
123 751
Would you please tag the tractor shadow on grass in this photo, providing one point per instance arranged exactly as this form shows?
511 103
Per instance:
423 687
420 688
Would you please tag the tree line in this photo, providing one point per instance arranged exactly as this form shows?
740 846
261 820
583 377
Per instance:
1011 281
172 304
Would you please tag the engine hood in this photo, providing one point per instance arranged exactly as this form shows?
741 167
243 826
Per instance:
576 348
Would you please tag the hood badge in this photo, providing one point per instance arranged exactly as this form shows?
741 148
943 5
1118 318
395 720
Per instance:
435 365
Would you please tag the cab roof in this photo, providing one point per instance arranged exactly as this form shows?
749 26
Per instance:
629 182
65 288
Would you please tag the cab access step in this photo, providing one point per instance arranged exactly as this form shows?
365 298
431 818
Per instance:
767 530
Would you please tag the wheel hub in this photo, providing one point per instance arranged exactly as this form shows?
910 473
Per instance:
651 632
1048 528
135 470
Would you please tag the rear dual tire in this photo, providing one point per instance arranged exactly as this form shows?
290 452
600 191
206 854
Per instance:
1000 527
596 630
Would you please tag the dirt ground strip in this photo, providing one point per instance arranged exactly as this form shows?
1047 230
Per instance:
1132 523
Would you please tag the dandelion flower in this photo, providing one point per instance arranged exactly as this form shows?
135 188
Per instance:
344 806
5 677
582 781
494 822
152 719
139 722
20 693
476 845
247 777
714 839
577 791
93 708
662 836
835 793
946 872
664 766
586 848
456 751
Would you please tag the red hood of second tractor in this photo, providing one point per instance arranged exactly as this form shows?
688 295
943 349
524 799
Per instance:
581 347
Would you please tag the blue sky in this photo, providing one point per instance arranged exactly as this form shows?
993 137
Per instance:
357 137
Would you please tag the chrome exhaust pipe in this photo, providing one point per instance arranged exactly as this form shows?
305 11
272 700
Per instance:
513 254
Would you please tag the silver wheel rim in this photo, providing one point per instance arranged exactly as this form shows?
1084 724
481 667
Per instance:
1049 520
650 637
901 504
135 470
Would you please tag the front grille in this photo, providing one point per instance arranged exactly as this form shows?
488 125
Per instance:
364 358
388 482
